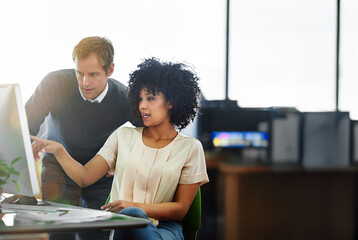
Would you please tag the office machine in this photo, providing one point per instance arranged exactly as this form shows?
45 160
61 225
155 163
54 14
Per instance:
259 135
354 142
286 137
326 139
15 141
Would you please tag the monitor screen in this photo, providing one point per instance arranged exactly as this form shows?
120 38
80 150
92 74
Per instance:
240 139
15 142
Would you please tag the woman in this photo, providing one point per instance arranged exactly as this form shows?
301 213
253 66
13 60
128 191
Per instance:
157 171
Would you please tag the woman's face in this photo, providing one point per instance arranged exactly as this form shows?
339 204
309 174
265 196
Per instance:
153 108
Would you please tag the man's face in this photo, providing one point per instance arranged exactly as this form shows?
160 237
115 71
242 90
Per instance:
91 77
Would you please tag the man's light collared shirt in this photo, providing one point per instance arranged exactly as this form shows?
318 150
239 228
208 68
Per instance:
99 98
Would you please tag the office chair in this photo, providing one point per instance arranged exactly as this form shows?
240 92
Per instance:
192 220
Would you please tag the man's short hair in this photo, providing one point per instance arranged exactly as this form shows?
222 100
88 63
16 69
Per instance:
101 46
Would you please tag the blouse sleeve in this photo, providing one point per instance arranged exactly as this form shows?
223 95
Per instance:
110 149
194 170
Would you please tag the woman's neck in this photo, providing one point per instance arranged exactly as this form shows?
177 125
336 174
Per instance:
158 137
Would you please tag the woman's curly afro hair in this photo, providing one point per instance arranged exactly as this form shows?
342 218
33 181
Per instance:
176 81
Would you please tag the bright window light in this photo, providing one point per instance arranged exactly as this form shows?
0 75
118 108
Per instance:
282 53
349 58
38 37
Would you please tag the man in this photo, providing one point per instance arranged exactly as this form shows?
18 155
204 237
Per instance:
83 107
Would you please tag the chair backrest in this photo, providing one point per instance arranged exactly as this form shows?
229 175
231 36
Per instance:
191 222
108 198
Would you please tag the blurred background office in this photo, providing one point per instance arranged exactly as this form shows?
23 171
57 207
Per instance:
261 54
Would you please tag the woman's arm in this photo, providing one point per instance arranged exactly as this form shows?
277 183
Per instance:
175 210
84 176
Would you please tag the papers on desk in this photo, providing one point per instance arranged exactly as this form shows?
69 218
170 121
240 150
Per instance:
65 215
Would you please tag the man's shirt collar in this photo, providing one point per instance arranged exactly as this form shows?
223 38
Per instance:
99 98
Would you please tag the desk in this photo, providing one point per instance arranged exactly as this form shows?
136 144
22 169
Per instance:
262 202
12 224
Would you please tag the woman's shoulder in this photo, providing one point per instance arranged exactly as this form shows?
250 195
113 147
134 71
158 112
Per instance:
126 136
189 141
129 131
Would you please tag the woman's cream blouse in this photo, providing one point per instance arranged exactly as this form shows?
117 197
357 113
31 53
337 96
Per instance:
150 175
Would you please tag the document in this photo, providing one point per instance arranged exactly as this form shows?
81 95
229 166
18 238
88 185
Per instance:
65 215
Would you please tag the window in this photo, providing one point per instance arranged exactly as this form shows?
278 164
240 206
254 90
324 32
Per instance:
349 58
283 53
41 34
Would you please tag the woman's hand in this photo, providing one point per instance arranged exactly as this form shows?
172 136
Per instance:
36 150
45 146
84 176
175 210
117 206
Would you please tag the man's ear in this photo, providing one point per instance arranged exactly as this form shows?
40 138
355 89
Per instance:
110 70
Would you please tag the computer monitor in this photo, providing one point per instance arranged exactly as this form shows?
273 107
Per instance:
15 141
240 139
